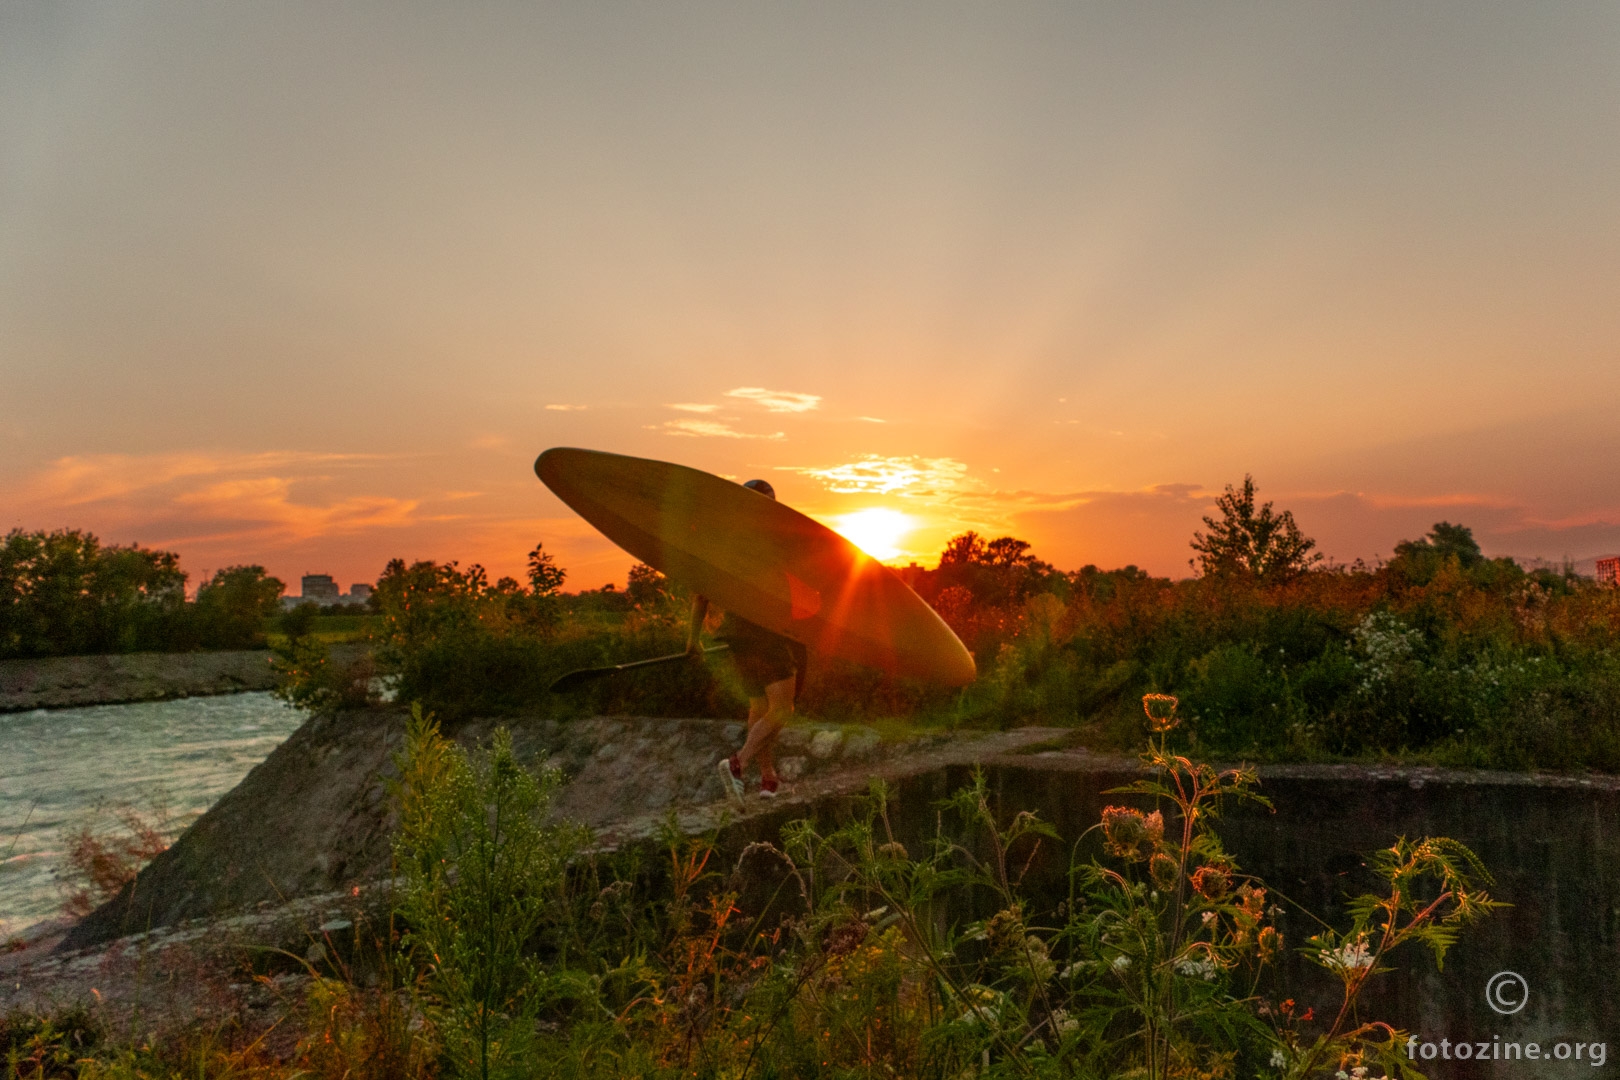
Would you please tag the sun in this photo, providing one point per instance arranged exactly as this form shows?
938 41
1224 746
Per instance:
875 531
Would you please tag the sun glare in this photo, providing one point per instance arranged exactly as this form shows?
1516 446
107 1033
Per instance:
875 531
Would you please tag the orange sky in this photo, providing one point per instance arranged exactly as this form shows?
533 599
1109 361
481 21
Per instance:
312 288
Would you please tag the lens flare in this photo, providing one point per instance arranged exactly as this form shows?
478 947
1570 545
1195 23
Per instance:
876 531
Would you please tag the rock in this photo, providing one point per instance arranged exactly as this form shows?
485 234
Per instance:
825 743
861 744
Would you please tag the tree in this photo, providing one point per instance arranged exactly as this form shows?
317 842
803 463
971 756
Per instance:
1444 541
63 593
968 549
1263 545
647 588
233 604
545 576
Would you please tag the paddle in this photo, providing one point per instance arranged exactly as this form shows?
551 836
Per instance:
575 679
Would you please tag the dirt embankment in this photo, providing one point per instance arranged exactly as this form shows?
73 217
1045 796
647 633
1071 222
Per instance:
315 816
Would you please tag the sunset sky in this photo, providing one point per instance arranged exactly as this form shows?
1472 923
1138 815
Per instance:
311 285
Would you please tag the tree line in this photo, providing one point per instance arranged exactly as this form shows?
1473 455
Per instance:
65 593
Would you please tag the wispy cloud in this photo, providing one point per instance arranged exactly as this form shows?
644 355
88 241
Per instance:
196 496
695 408
878 475
566 408
710 429
777 401
79 479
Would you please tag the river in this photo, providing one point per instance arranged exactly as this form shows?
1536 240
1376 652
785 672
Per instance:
60 768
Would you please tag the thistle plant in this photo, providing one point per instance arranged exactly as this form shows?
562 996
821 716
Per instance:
1169 941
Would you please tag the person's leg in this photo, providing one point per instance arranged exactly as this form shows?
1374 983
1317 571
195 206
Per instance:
764 725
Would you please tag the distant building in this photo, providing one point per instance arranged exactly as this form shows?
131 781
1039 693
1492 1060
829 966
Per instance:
1608 571
320 589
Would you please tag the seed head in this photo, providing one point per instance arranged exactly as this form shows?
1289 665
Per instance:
1161 711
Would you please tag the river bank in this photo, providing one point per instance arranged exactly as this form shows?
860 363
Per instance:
56 682
62 682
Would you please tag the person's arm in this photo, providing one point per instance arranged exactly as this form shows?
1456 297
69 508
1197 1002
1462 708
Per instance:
694 630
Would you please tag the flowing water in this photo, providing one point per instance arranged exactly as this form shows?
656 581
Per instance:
62 768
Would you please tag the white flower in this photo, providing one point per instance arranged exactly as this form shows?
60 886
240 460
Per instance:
1208 915
1352 957
1278 1058
1202 968
1121 962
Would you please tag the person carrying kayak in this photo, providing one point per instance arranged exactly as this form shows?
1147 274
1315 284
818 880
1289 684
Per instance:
771 670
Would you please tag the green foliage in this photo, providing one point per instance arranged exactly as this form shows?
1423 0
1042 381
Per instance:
64 593
1264 545
481 872
1478 663
307 675
232 606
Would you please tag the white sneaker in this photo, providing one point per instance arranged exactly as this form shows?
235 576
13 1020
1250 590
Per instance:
732 782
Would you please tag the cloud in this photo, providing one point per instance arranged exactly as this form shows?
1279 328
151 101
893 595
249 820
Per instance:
710 429
688 407
777 401
200 496
878 475
566 408
80 479
871 420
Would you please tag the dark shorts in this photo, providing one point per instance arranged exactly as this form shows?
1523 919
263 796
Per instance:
761 663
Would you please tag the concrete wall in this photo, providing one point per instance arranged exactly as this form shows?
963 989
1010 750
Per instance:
1552 844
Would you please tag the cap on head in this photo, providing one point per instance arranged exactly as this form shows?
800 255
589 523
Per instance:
762 487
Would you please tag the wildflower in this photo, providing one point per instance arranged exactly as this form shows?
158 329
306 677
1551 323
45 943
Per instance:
1278 1058
1208 917
1197 968
1161 712
1128 830
1164 870
1349 959
1269 942
1211 882
1120 963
